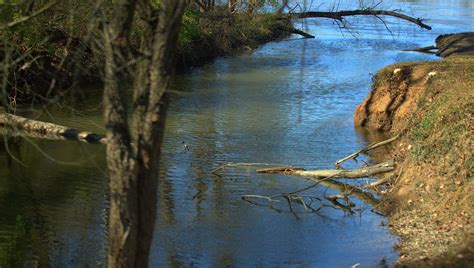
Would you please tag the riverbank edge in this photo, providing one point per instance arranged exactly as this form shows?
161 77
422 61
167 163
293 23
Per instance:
66 60
429 200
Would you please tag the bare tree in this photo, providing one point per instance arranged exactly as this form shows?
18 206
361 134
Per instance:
133 169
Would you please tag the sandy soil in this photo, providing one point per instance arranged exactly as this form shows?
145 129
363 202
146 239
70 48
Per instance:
430 197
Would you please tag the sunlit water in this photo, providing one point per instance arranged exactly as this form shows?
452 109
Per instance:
289 102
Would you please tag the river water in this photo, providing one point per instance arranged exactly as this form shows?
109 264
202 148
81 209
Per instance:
288 102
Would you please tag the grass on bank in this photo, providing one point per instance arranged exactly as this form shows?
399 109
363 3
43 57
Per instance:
443 132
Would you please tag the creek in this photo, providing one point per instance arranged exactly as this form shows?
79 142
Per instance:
288 102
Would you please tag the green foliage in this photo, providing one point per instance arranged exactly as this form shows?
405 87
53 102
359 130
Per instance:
425 126
190 29
443 125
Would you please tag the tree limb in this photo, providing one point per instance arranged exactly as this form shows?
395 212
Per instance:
339 15
365 149
39 12
336 173
300 32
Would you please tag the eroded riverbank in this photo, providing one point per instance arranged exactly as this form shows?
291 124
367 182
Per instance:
431 193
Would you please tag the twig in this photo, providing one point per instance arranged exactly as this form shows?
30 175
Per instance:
214 171
377 183
268 198
365 149
39 12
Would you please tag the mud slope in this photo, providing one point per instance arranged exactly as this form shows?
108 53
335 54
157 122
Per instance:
430 198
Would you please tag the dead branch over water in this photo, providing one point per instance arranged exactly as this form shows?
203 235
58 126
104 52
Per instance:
339 15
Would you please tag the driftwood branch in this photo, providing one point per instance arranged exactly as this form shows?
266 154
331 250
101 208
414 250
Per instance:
39 129
365 149
336 173
339 15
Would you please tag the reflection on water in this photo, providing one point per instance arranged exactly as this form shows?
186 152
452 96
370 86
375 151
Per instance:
288 102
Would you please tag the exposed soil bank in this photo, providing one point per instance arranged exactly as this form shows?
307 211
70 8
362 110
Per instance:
430 200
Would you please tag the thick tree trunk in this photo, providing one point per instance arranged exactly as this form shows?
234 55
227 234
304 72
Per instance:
123 214
153 79
133 170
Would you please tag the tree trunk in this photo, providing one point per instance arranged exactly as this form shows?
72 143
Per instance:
133 170
153 78
123 214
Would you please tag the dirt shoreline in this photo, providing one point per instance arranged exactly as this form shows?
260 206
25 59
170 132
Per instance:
430 198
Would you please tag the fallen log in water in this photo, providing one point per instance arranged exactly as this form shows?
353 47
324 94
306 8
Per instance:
38 129
362 172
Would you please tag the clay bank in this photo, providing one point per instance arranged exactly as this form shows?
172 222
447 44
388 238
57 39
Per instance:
430 196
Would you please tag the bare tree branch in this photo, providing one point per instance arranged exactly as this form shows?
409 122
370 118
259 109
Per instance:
365 149
361 172
24 19
339 15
